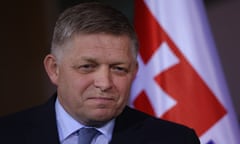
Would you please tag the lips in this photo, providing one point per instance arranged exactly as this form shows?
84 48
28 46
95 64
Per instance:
103 99
101 102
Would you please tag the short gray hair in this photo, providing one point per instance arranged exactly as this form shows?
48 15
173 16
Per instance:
91 18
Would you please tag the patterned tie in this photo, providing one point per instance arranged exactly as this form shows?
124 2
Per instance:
85 135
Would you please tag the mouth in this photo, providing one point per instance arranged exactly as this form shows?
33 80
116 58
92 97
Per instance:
101 99
101 102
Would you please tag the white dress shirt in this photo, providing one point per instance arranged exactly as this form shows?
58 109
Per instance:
67 125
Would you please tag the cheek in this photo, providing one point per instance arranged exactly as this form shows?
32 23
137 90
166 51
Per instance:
123 86
73 86
79 82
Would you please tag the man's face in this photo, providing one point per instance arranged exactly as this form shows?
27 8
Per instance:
94 77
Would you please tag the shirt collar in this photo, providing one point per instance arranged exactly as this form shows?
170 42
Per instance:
67 124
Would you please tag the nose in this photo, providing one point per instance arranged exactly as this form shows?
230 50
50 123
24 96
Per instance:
103 79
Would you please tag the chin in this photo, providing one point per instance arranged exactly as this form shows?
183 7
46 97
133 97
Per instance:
100 118
98 122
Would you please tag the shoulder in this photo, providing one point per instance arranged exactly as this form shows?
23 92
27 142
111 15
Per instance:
137 117
155 129
27 125
27 117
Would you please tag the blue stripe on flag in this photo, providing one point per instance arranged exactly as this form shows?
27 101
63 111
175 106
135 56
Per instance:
210 142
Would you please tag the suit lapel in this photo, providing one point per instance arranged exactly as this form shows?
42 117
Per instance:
126 127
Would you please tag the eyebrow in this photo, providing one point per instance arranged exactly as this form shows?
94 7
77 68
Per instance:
89 59
94 60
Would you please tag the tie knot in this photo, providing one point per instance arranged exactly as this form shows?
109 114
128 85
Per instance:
85 135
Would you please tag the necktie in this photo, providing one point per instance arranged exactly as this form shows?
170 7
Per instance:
85 135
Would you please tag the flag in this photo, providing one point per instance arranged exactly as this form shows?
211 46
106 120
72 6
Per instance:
180 77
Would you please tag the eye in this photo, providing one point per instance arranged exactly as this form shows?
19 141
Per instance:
86 68
120 70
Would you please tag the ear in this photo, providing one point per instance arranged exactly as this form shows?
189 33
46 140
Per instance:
136 70
51 67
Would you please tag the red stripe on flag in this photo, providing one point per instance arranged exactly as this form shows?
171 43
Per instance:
146 27
196 106
142 103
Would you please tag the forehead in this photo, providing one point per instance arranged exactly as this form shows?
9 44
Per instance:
100 46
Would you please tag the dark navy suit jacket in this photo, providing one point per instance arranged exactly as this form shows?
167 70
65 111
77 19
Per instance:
38 126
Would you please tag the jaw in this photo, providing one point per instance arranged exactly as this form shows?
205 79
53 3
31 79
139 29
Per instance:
100 116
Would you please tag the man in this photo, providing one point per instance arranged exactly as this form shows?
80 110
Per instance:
92 63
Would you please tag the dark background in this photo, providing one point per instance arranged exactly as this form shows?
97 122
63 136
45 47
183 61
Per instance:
26 30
